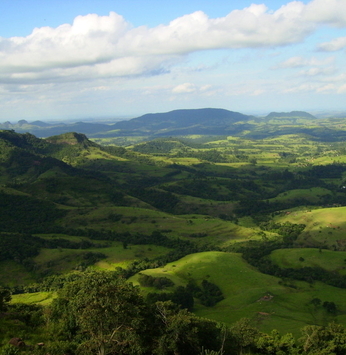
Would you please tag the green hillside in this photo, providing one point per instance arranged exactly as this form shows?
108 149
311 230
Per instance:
248 293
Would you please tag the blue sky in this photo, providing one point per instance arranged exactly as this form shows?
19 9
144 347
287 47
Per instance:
101 59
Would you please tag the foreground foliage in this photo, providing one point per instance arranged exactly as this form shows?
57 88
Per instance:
101 313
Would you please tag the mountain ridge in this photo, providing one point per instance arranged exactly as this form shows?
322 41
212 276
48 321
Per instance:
177 122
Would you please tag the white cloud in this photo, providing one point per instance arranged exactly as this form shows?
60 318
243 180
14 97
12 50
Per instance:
342 89
317 71
332 12
334 45
297 62
95 46
326 88
184 88
306 87
205 88
258 92
293 62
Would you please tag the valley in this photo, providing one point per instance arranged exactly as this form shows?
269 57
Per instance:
247 224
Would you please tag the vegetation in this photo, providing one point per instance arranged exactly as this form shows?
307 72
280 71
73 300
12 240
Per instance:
218 244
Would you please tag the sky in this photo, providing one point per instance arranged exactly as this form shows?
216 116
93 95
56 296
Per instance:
105 59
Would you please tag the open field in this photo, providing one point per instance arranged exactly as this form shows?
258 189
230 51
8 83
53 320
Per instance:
326 226
137 220
326 259
244 288
312 195
41 298
64 260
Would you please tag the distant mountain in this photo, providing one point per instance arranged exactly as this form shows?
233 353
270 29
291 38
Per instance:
177 122
181 122
183 118
205 121
43 129
292 114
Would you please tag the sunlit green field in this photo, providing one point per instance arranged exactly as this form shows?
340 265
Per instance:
311 195
41 298
326 226
286 309
310 257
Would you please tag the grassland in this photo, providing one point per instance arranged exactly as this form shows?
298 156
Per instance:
246 293
41 298
312 195
135 219
325 226
310 257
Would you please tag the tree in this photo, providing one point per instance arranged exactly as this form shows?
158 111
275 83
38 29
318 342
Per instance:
178 334
244 334
184 333
276 344
5 297
327 340
330 307
104 311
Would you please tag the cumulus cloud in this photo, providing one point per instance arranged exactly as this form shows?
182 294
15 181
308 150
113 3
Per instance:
334 45
108 46
332 12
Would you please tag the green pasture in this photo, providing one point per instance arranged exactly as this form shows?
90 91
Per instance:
41 298
140 220
117 256
63 260
330 159
285 308
325 226
310 257
312 195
